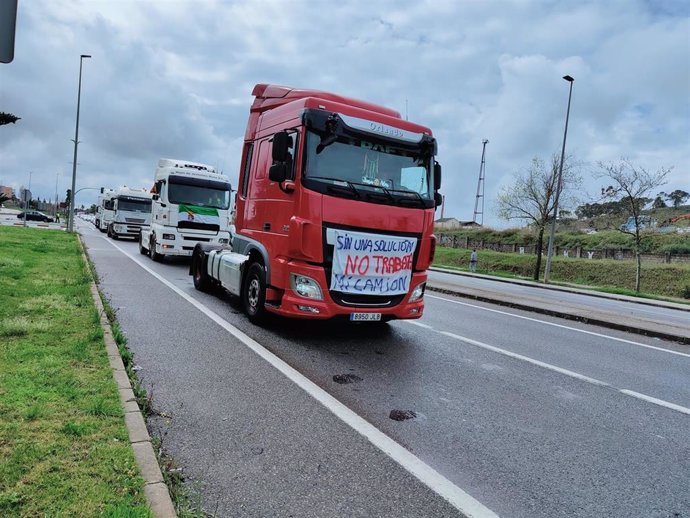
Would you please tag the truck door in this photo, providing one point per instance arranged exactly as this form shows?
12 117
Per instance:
269 208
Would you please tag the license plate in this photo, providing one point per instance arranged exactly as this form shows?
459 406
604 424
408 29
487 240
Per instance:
365 317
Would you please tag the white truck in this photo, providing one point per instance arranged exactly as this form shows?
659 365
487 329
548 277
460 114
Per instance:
191 204
104 210
131 212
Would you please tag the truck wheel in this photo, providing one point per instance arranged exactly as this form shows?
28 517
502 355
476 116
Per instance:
155 256
111 233
202 281
254 293
142 250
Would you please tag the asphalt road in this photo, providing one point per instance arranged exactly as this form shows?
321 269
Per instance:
532 416
668 318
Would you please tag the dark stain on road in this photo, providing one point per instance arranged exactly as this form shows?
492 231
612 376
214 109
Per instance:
344 379
402 415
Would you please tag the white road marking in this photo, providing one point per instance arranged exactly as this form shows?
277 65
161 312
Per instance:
656 401
592 333
423 472
566 372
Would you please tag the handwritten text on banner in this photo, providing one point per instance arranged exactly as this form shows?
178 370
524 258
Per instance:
372 264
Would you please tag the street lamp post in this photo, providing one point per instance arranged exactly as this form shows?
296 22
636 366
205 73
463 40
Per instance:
70 227
549 253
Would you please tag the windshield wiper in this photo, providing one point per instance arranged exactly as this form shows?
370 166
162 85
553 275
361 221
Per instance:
418 198
339 185
387 194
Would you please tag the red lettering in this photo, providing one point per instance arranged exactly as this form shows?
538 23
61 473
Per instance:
359 265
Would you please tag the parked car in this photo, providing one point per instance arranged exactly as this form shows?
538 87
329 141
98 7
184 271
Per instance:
34 215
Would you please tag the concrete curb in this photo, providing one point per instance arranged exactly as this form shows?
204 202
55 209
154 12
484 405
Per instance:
560 314
568 289
155 490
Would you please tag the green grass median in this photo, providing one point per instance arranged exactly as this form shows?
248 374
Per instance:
64 448
657 279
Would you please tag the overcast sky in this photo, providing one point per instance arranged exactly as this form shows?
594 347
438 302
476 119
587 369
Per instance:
174 79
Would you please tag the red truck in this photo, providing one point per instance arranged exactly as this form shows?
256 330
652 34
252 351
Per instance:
334 211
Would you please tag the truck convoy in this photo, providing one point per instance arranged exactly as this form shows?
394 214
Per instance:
190 205
125 212
334 211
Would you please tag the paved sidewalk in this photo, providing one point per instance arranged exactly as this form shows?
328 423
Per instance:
538 297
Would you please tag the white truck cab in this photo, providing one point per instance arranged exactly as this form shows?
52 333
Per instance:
190 205
131 212
104 210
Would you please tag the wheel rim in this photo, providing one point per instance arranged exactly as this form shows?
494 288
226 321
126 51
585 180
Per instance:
253 294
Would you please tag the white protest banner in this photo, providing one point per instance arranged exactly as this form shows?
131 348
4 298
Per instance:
372 264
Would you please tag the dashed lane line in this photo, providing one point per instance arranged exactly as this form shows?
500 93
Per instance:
554 368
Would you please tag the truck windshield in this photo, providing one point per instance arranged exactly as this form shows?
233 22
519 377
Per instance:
134 205
369 171
198 195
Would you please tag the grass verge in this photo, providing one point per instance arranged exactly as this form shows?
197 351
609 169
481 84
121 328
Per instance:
657 281
64 447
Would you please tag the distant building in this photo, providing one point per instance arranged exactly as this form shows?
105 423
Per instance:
447 223
7 191
24 195
454 224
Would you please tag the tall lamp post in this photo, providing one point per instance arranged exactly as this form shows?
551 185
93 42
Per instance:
70 227
549 253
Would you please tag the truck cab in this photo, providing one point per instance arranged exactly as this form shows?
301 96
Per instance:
190 205
334 211
131 212
104 209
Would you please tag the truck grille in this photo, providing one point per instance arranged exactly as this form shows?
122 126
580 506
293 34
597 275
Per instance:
199 226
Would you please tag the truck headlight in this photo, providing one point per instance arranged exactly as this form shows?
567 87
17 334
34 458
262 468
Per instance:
169 236
305 287
417 292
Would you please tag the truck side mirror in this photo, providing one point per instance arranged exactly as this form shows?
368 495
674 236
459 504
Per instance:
277 172
281 145
438 198
437 175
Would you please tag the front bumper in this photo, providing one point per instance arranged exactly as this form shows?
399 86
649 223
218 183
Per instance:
295 306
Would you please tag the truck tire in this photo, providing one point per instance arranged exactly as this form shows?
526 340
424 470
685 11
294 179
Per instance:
155 256
111 233
254 293
142 250
202 281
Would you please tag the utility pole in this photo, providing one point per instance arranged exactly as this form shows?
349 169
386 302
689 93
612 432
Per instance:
549 254
480 186
70 227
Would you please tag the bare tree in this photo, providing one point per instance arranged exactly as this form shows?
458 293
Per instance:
630 184
531 197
